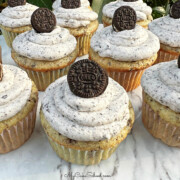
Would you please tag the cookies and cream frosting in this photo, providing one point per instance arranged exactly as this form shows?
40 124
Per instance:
162 83
45 46
17 16
86 119
57 4
167 29
74 18
141 8
15 90
127 45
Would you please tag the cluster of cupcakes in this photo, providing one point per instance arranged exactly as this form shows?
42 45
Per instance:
86 112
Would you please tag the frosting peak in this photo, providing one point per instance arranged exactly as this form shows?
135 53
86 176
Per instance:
167 29
17 16
162 83
45 46
85 119
128 45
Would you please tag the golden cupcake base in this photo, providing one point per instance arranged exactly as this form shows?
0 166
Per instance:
130 80
127 74
82 152
83 36
10 33
15 131
160 121
43 73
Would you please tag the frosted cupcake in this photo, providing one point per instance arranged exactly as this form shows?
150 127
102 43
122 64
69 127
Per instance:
79 19
168 31
124 50
18 104
161 101
15 19
142 10
47 51
86 115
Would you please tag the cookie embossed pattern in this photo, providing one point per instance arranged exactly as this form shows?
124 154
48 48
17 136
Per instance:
86 79
14 3
70 4
43 20
124 19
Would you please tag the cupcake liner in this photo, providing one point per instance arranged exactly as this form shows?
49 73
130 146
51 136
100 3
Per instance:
159 128
129 79
83 44
81 157
164 56
9 36
10 33
44 79
16 135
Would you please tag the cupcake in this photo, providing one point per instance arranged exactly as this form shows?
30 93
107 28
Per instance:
142 10
86 115
18 104
124 49
161 101
15 19
168 31
47 51
79 19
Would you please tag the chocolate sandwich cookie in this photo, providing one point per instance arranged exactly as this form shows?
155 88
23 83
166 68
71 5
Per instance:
175 10
124 19
43 20
87 79
70 4
14 3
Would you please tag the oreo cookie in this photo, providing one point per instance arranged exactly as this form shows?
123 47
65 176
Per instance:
130 0
14 3
179 62
175 10
1 68
124 19
43 20
70 4
87 79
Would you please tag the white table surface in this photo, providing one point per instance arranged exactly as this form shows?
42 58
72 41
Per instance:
139 157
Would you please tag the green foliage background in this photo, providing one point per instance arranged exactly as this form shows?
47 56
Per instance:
160 7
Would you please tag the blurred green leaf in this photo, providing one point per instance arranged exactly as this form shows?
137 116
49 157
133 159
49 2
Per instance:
41 3
158 12
98 5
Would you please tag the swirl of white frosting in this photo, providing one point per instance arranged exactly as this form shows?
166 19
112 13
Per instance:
17 16
128 45
162 83
45 46
57 4
15 90
74 18
142 10
86 119
167 29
